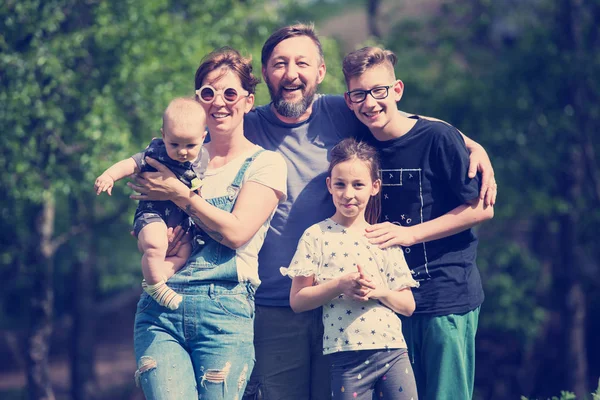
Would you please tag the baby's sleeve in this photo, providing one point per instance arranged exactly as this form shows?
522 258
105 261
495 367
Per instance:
306 260
398 274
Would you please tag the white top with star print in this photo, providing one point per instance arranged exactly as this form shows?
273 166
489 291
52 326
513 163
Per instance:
327 250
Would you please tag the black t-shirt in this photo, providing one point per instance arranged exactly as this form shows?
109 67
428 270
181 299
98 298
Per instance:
424 176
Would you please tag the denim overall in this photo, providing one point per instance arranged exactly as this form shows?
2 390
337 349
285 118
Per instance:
204 349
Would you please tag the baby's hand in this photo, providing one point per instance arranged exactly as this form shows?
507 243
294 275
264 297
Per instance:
104 183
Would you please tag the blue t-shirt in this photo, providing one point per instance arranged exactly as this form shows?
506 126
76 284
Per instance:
424 175
305 146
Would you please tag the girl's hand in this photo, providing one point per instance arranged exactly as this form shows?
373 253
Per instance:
387 234
355 285
160 185
377 293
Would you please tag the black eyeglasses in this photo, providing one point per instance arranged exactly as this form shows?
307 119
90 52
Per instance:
207 94
378 93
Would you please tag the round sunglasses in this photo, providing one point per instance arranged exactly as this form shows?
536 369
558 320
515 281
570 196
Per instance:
207 94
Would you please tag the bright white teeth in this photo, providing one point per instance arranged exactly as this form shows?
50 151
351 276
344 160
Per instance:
372 114
220 115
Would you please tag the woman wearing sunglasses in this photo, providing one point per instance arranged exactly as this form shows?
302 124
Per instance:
204 349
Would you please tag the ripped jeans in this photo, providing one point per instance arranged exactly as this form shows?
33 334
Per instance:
204 349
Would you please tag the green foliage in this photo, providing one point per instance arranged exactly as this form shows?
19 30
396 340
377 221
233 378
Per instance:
565 395
83 85
511 279
521 80
317 10
513 94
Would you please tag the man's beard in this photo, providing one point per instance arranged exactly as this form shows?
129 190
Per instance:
291 109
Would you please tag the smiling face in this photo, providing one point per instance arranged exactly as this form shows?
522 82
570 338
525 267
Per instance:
351 186
223 117
293 72
376 114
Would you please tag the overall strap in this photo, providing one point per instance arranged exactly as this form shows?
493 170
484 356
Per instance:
234 188
204 159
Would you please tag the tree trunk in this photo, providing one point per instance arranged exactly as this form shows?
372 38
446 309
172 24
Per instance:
533 377
574 14
577 362
573 309
83 333
42 306
373 24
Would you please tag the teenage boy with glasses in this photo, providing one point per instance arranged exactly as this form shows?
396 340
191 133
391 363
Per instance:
429 205
302 126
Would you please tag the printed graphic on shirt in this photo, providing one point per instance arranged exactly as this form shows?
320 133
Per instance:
327 251
402 190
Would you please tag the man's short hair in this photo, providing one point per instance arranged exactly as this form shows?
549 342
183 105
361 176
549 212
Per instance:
287 32
358 61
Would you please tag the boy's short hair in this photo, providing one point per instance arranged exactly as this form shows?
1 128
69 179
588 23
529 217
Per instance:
287 32
358 61
184 111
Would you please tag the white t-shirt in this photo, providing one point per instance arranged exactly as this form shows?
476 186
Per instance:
268 169
328 250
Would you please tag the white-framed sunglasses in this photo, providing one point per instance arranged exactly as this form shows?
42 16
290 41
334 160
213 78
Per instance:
207 94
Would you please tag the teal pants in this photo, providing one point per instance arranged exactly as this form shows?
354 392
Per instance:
442 352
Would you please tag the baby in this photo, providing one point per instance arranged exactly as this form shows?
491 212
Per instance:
180 149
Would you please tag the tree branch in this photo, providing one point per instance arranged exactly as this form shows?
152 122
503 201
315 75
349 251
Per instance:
109 219
65 237
64 148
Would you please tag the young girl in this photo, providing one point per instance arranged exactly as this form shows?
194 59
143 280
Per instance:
359 285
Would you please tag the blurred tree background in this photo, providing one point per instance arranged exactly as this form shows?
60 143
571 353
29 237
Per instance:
84 83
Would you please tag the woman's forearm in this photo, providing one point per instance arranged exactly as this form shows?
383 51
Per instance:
254 204
216 223
253 207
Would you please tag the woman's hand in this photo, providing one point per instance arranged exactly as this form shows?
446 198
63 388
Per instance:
159 186
177 237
